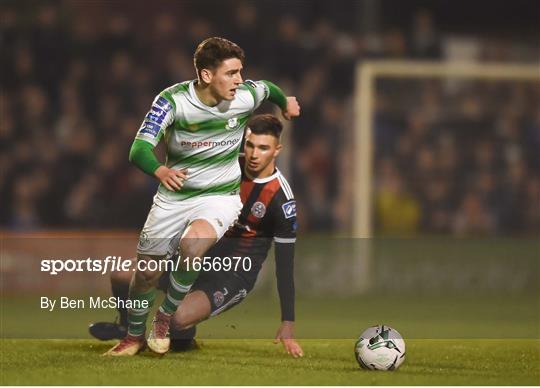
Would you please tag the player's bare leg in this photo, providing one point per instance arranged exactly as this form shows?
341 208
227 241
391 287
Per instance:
195 308
142 288
198 237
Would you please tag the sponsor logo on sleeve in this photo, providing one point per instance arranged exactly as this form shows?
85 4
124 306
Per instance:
153 120
156 115
164 104
289 209
150 128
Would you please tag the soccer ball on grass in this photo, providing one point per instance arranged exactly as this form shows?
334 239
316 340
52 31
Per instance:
381 348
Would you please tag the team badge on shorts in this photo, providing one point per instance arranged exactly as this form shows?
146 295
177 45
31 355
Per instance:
232 123
219 298
258 209
143 239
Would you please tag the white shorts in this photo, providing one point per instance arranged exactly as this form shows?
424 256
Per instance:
168 220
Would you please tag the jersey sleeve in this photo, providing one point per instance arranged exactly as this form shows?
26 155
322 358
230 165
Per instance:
259 91
159 117
283 210
266 90
142 155
285 279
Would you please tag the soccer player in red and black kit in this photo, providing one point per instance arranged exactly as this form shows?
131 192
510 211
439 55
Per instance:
268 213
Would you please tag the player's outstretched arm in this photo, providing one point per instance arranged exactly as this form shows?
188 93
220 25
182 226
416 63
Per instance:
289 105
285 284
285 335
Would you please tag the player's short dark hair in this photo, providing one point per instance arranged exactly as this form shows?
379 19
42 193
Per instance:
212 51
265 124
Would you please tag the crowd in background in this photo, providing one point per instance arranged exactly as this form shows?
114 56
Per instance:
465 160
450 158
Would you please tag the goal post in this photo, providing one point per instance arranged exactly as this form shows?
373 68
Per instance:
367 74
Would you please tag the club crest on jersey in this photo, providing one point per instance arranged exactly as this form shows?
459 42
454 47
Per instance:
258 209
289 209
232 123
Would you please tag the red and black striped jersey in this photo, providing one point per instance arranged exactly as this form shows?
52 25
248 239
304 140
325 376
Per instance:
268 213
269 209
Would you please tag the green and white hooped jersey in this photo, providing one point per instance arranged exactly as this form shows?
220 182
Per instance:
205 140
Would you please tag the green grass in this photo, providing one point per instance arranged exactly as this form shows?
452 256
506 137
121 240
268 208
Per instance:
415 317
460 340
259 362
473 340
469 311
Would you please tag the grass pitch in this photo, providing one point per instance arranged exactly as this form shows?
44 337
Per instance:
259 362
450 341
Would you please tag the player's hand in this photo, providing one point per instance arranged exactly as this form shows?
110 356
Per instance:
172 179
293 108
285 335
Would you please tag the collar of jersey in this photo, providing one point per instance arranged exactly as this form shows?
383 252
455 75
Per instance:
198 101
268 178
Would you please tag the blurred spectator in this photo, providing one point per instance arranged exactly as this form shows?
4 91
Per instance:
49 45
287 46
424 41
473 218
397 212
315 179
76 81
247 24
24 215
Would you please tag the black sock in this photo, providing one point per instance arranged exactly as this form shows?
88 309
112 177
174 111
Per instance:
122 293
183 340
187 334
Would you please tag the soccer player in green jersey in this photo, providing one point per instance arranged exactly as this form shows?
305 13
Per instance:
202 123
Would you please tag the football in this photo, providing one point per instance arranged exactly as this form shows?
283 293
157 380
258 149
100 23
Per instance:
380 348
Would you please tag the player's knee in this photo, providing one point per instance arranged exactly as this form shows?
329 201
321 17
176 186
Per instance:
147 277
177 322
195 246
120 278
199 236
190 248
148 269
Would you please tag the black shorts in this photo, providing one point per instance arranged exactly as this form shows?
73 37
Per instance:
224 289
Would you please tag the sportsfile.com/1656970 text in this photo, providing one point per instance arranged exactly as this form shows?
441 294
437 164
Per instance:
117 264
